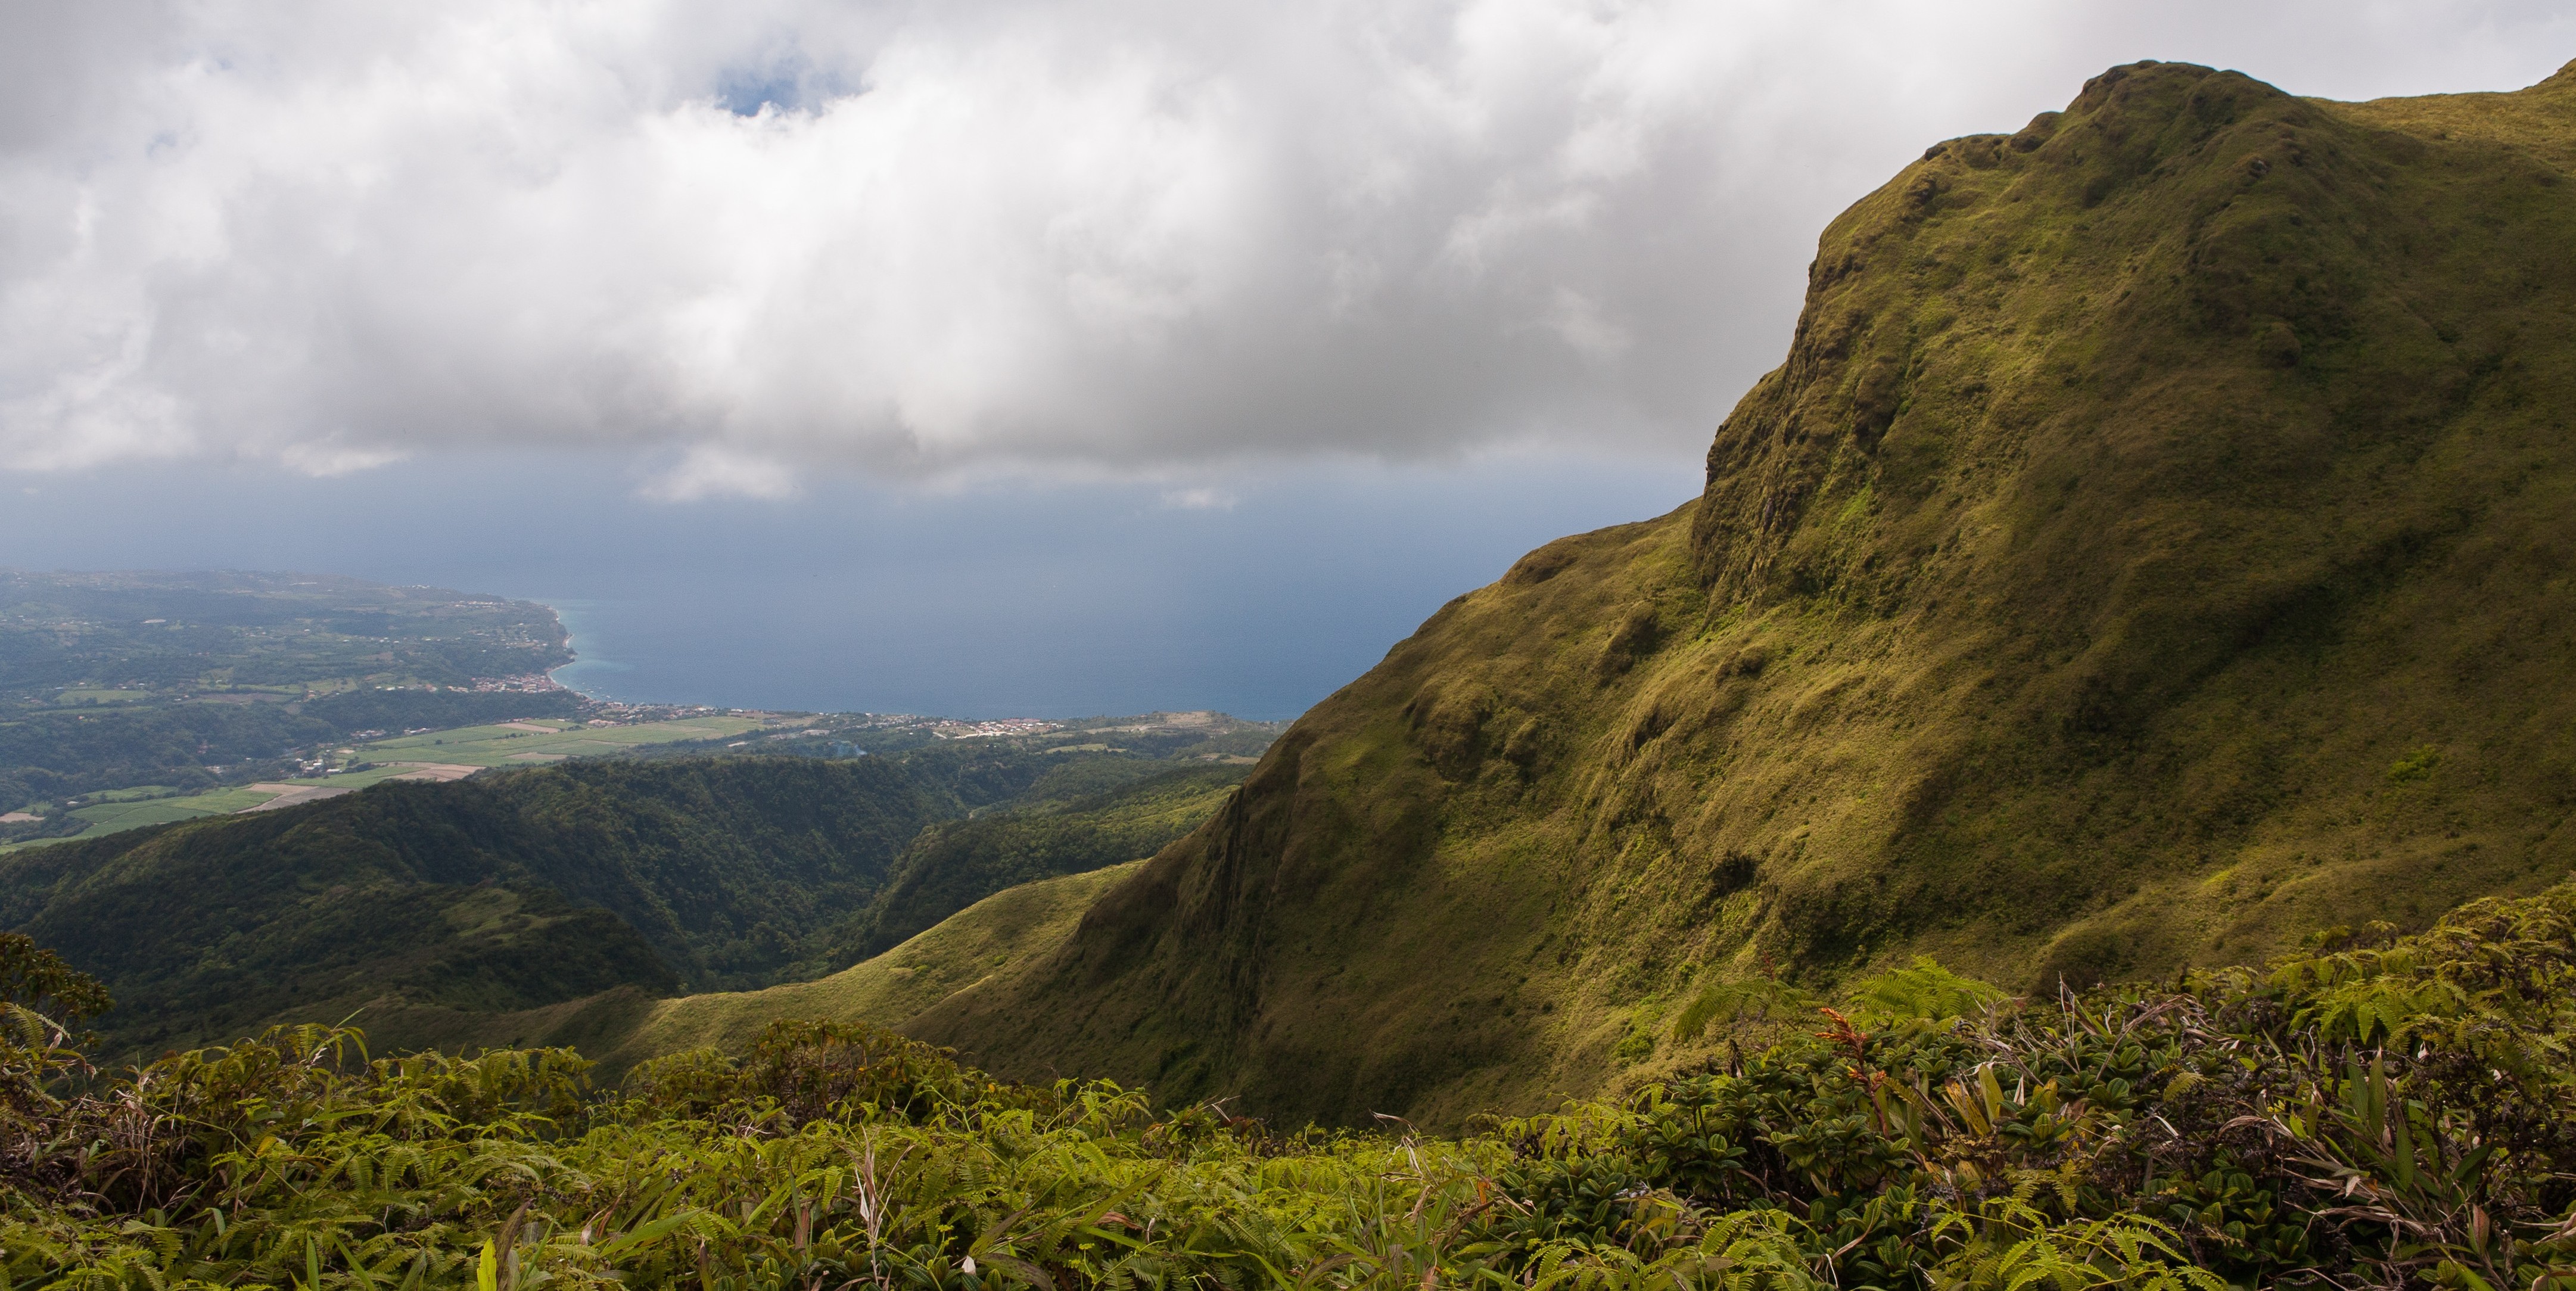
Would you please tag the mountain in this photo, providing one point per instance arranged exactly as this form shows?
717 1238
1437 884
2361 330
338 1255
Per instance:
2154 547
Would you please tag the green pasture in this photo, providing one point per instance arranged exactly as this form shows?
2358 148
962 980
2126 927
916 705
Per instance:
372 775
503 746
472 746
100 695
136 794
151 805
109 817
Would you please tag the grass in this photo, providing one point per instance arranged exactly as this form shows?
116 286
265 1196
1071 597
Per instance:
110 817
137 793
94 695
990 942
469 746
500 746
120 809
1065 823
361 779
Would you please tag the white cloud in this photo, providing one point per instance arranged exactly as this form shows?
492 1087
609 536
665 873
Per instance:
1202 498
714 471
780 236
327 458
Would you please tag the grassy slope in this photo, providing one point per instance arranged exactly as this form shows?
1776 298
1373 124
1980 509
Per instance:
951 866
975 900
2154 546
978 949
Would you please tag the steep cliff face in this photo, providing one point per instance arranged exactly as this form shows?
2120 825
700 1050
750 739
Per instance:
2154 547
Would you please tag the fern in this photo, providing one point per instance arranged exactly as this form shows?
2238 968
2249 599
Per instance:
2244 1129
1925 991
1751 999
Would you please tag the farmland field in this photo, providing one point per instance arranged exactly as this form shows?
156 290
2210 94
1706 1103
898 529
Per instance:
429 755
153 805
520 744
107 817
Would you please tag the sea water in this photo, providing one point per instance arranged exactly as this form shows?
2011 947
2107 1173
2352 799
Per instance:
1257 595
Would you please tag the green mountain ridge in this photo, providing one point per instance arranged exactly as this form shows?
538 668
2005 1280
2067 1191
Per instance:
488 894
436 909
2154 547
983 947
949 866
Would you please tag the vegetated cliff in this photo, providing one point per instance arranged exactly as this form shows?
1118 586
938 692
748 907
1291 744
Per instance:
2154 546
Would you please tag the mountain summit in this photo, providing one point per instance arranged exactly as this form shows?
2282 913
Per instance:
2153 548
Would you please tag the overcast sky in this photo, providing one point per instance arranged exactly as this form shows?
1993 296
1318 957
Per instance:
730 246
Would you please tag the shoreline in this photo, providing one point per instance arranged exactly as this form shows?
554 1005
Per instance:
567 616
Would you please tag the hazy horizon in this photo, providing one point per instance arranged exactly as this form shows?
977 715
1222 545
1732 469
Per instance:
981 358
852 598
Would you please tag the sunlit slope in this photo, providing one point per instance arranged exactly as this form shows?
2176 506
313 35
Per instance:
2154 546
990 942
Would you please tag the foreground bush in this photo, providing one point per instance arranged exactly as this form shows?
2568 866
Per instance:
2384 1112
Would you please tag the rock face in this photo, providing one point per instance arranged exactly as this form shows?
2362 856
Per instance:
2154 547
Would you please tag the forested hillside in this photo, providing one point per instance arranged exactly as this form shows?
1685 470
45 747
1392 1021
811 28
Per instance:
984 947
949 867
523 889
2153 547
486 894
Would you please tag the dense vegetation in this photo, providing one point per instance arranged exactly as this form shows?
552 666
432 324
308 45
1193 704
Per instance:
2153 548
494 893
525 889
399 710
47 757
188 680
949 867
188 633
2388 1113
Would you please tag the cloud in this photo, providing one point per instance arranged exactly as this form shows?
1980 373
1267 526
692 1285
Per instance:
1202 498
714 471
917 240
325 458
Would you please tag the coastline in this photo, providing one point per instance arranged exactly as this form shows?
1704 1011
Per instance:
572 615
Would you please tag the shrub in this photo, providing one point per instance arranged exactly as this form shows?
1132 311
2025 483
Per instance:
2382 1111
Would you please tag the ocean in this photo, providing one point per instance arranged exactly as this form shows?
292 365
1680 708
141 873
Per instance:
1257 594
